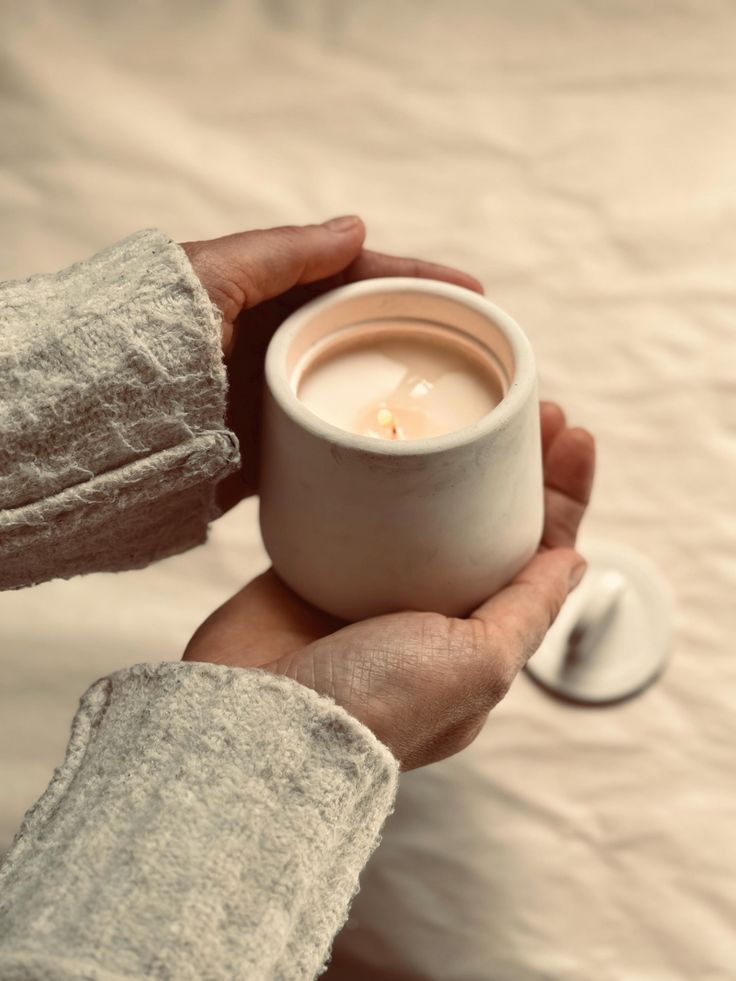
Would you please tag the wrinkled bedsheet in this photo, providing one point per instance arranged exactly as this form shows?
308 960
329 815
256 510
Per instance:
580 158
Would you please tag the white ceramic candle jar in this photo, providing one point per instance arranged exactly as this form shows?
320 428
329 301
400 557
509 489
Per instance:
364 509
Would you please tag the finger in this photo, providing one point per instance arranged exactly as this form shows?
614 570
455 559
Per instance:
372 265
278 612
552 420
515 620
258 265
569 466
263 621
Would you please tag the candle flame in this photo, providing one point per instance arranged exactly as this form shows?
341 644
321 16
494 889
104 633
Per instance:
385 417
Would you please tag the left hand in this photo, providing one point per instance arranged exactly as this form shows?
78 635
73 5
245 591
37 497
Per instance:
257 279
423 683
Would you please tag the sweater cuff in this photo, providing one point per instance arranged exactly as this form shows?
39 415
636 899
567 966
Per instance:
207 822
113 409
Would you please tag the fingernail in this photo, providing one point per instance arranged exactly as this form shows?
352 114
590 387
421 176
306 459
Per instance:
342 224
576 575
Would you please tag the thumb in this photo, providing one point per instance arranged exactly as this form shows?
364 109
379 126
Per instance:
517 618
247 268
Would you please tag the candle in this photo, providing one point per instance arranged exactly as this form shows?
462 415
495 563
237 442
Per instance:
401 466
399 379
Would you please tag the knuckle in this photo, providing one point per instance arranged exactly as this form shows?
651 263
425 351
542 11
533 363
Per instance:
501 682
550 602
461 736
495 656
472 731
466 639
289 234
545 600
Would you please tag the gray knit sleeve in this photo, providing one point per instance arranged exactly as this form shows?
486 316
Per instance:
207 823
112 401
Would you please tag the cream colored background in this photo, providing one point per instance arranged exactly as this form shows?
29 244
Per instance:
581 159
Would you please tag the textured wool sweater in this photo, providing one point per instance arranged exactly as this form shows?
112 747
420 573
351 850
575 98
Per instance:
207 822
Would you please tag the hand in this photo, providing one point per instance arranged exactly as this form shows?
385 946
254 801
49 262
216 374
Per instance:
423 683
257 279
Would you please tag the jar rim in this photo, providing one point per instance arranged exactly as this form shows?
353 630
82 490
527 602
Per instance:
382 293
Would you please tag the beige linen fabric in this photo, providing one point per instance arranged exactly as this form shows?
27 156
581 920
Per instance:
579 158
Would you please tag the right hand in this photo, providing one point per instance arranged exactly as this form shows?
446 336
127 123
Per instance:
422 682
